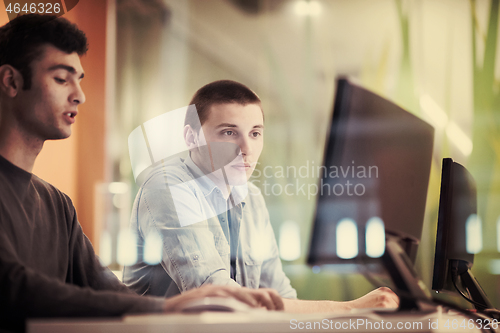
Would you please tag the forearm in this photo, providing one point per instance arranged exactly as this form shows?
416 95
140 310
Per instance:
28 293
25 293
304 306
378 298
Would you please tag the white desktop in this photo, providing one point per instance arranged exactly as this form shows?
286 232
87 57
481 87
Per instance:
259 320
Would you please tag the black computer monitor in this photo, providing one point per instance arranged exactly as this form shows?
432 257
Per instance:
376 168
373 189
454 255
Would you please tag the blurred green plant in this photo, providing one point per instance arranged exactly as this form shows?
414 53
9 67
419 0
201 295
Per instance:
485 159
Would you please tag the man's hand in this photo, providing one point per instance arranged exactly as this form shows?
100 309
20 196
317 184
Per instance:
379 298
267 298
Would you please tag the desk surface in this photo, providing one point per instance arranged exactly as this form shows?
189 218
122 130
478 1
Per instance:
264 321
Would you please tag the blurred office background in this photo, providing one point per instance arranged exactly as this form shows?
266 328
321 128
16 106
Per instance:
440 59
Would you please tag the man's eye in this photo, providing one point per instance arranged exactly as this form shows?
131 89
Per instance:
59 80
228 133
256 134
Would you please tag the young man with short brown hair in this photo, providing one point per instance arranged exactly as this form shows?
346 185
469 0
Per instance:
214 225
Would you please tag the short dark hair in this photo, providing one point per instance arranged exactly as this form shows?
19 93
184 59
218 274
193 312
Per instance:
218 92
22 39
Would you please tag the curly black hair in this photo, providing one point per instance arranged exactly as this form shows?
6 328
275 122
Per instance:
22 39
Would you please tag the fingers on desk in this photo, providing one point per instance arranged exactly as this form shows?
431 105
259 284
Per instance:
269 298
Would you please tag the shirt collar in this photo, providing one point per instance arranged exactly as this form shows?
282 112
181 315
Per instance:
207 186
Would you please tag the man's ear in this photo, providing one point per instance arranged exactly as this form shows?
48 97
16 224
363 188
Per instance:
11 80
190 137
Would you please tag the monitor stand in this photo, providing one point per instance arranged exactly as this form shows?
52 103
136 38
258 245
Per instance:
460 268
412 292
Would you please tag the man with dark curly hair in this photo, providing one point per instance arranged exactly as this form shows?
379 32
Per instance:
48 267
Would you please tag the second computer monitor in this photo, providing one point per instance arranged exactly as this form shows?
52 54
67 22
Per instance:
458 236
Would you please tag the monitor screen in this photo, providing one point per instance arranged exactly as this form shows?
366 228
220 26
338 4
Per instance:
375 174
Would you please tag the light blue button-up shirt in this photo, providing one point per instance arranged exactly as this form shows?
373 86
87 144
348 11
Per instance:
197 225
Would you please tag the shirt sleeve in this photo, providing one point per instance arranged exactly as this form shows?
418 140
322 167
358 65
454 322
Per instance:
89 290
191 244
85 269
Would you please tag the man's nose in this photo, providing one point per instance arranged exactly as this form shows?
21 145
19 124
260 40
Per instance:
245 146
78 96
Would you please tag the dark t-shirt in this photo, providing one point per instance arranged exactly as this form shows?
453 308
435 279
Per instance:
48 267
